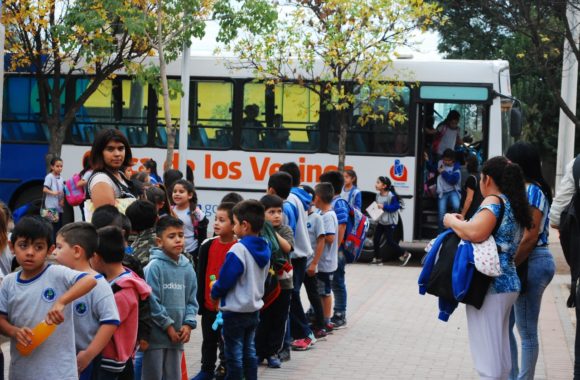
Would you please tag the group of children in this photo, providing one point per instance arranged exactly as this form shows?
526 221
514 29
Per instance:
125 309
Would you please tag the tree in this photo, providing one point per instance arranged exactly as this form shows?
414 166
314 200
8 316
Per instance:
339 49
56 40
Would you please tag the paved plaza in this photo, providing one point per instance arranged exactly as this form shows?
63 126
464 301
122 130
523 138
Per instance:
394 333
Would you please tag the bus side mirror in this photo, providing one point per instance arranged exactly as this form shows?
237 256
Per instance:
516 122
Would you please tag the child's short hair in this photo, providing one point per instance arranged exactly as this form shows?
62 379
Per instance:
271 201
155 195
227 207
232 197
33 228
82 234
111 247
167 222
294 171
281 182
309 190
142 214
324 191
252 212
106 215
449 154
335 178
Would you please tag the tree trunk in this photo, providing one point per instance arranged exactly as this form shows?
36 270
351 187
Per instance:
55 141
343 126
165 91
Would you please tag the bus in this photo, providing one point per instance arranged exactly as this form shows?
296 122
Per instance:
240 130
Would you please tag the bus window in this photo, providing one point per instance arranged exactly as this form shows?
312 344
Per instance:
21 111
95 114
254 116
175 112
133 121
385 132
295 123
212 127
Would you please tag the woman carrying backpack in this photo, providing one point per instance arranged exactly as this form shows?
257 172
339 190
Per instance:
488 327
534 253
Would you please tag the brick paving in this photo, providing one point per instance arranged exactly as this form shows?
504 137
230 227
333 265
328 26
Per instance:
394 333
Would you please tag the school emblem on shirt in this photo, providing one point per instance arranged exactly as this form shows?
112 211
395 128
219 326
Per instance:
81 309
398 172
49 295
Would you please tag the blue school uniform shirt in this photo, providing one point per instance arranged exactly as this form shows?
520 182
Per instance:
537 199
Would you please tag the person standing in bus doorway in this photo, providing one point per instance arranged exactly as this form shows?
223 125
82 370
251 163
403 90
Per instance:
448 185
53 191
350 191
251 127
447 135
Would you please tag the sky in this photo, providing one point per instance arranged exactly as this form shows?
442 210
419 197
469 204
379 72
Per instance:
426 44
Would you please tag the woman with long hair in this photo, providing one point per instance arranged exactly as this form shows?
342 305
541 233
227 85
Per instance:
109 154
502 182
534 255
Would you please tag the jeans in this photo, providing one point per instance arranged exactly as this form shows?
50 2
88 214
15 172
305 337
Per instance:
138 365
526 311
450 198
298 322
239 331
339 286
388 230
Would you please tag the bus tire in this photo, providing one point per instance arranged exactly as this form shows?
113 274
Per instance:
28 194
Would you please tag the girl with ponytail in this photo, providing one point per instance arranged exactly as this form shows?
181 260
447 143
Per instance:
534 258
502 182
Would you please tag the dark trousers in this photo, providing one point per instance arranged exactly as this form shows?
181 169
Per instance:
102 374
388 231
311 285
212 342
577 340
272 327
298 321
239 331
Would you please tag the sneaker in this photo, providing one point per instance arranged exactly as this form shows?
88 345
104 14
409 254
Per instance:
274 362
405 258
329 327
339 321
284 355
376 261
320 333
220 372
203 375
302 344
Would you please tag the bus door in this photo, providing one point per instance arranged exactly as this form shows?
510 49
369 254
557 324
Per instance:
432 108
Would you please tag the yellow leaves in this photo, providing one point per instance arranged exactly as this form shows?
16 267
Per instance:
521 55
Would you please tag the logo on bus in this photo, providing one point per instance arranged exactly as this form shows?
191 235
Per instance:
399 172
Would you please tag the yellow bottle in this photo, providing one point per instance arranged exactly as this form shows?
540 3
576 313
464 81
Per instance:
40 333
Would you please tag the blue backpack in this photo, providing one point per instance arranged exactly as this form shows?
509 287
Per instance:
357 227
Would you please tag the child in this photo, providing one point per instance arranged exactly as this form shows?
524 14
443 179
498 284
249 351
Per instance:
151 169
158 196
280 184
40 291
53 192
388 200
329 259
189 213
95 315
272 327
212 255
350 191
317 235
143 216
300 199
448 185
173 302
240 287
128 289
341 209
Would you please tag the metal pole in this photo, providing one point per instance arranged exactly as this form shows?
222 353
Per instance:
566 128
184 115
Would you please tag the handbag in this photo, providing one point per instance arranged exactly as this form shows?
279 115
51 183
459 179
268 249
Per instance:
127 196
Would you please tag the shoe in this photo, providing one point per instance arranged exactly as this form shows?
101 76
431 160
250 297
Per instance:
284 355
329 327
405 258
302 344
203 375
339 321
220 372
274 362
320 333
376 261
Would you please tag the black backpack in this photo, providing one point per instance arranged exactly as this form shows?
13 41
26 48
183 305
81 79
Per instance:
570 233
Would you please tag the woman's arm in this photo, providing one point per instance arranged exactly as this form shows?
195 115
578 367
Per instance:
476 229
468 200
530 238
102 194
